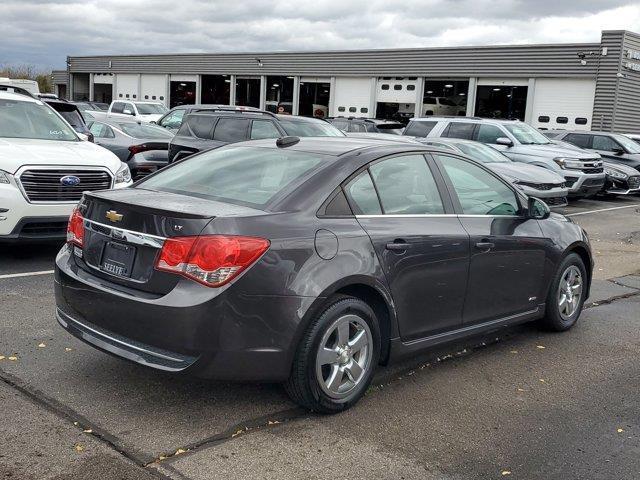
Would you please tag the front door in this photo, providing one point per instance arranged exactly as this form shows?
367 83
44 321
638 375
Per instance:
420 243
506 271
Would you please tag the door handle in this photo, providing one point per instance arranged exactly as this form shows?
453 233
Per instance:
485 245
398 246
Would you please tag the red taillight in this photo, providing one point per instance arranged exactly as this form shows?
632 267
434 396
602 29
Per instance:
212 260
138 148
75 228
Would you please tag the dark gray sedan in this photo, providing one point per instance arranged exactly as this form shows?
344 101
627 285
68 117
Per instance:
142 146
310 261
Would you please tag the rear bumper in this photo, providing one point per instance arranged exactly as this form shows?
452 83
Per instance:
211 333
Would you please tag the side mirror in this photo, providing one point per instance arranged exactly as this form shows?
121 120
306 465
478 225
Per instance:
618 151
537 209
504 141
153 122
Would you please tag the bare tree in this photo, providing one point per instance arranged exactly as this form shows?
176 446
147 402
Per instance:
29 72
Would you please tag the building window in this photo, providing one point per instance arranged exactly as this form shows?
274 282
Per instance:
341 109
411 87
134 95
364 110
153 97
127 95
120 95
280 94
397 87
445 97
353 109
543 119
146 97
581 121
385 86
562 120
161 97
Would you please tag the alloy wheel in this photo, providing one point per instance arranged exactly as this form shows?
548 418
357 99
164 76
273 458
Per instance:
570 292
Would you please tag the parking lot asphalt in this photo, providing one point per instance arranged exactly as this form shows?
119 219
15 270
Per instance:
508 408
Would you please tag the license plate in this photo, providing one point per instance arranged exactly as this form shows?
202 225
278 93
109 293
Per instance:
117 259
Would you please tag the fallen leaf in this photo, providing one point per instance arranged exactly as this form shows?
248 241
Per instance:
161 457
513 351
521 389
75 423
506 472
2 357
542 380
67 349
541 347
79 447
620 430
13 359
88 430
274 422
42 345
180 451
237 433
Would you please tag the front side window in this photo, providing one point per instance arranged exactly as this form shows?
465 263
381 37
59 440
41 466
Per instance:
239 175
21 119
117 107
150 108
479 192
363 195
100 130
602 142
489 134
526 134
263 129
578 139
482 153
406 186
627 143
174 119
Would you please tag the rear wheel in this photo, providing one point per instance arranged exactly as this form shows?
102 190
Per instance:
566 295
336 358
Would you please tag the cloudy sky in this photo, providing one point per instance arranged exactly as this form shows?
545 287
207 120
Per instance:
43 33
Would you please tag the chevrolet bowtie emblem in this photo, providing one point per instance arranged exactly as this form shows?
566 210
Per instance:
114 216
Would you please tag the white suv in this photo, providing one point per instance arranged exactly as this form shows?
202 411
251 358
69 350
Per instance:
44 168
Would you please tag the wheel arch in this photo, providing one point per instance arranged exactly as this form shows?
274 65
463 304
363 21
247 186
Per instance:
583 251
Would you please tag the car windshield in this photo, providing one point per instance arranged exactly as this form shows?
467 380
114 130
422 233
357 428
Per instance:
240 175
310 128
526 134
482 153
151 108
137 130
20 119
629 145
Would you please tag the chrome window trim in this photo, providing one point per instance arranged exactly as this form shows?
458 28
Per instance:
436 215
130 236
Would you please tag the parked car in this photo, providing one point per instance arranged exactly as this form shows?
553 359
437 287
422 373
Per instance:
172 120
213 128
442 106
621 179
72 114
309 261
534 181
142 146
44 168
30 86
143 111
612 147
582 170
366 125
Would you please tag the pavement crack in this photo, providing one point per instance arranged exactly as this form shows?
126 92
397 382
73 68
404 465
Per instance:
239 429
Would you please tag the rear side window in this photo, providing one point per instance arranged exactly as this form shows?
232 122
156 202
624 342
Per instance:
363 195
231 130
240 175
459 130
582 141
199 126
479 192
602 142
406 186
419 129
263 129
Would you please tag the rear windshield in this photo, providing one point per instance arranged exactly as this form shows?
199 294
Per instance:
136 130
240 175
73 117
310 128
20 119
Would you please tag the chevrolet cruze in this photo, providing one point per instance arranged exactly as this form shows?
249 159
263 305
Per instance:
310 261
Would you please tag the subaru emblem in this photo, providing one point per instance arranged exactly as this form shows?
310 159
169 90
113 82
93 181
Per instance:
70 181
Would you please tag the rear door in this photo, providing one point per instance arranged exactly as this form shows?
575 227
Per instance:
420 243
231 130
506 272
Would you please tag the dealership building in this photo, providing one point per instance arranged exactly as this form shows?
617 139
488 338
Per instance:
570 86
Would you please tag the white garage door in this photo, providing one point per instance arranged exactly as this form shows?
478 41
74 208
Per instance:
563 104
397 89
126 87
352 97
154 87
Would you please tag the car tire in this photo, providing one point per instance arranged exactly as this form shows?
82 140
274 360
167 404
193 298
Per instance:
567 294
336 358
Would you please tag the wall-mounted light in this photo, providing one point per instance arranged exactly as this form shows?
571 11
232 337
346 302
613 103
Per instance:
260 64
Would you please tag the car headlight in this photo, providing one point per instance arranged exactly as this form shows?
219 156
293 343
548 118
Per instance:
123 175
4 177
612 172
573 163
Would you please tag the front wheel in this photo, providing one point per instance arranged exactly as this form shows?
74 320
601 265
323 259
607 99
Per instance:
336 358
567 294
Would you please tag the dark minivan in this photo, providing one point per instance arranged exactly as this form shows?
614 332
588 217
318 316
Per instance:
311 261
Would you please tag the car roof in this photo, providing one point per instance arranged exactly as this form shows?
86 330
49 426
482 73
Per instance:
300 118
334 146
117 122
432 118
18 97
